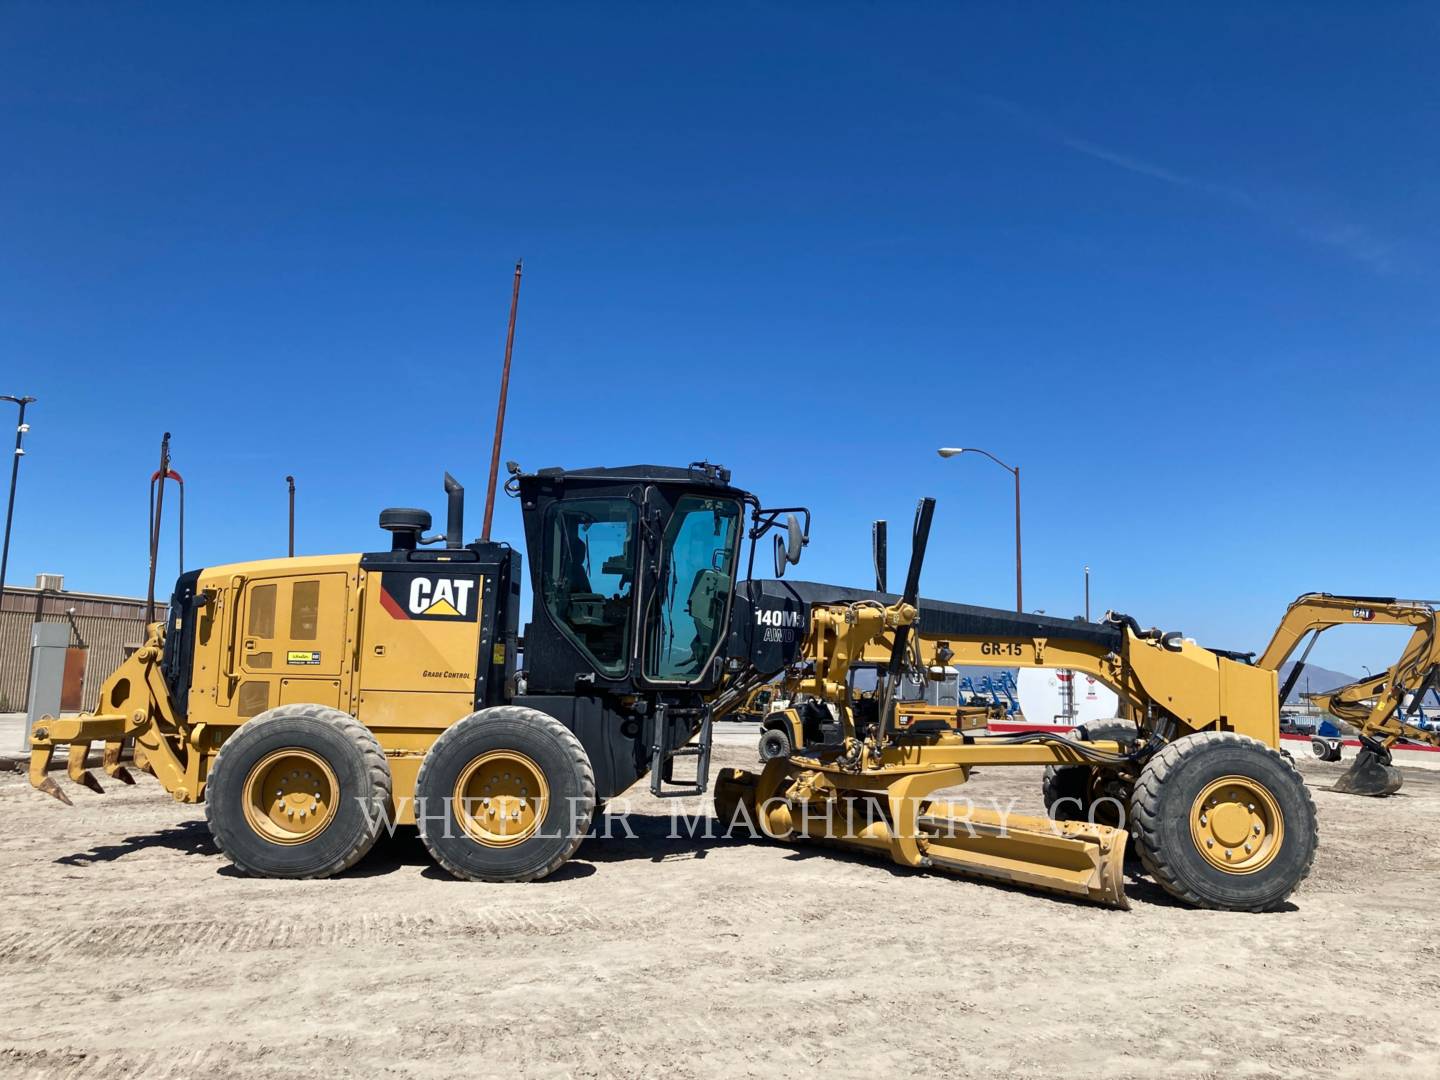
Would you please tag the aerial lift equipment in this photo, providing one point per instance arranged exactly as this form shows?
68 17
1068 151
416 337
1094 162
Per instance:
1374 706
309 702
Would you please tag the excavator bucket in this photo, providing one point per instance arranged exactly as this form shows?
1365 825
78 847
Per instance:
1369 774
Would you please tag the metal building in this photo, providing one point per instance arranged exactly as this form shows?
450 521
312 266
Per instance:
102 629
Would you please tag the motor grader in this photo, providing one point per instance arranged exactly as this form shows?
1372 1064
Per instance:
796 724
310 702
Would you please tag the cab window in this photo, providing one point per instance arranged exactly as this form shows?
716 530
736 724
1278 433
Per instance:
588 576
688 619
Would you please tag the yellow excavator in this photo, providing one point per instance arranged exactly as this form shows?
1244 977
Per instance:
310 703
1376 706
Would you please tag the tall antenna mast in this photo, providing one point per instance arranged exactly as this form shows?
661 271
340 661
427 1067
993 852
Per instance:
500 410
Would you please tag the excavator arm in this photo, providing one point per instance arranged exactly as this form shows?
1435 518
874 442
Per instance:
1374 705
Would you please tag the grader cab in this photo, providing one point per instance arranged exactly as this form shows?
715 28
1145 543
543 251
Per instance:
312 702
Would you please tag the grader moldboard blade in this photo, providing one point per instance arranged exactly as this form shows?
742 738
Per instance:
1073 858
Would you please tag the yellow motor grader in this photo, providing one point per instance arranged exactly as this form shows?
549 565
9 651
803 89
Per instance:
311 702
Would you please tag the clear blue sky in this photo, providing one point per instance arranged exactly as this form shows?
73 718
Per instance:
1180 267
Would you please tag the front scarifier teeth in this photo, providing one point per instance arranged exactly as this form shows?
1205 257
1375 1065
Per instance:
110 762
75 768
41 751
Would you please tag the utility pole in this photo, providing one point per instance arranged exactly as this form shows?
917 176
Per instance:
500 410
20 429
290 480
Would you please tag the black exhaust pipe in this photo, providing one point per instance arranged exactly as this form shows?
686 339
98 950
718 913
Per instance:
455 513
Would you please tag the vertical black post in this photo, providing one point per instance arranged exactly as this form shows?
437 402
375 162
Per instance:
500 409
1087 594
919 539
1019 588
158 502
14 479
880 552
290 480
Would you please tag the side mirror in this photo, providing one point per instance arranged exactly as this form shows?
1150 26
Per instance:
789 546
795 539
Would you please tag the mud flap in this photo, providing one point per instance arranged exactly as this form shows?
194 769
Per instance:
1370 774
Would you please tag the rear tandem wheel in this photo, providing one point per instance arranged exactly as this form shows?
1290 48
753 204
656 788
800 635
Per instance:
506 794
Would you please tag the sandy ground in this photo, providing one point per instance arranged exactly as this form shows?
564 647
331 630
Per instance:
129 948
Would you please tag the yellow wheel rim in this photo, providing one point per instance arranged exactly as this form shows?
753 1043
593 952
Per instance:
291 796
1237 825
501 798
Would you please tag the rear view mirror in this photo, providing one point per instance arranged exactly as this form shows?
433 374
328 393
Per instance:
795 539
781 559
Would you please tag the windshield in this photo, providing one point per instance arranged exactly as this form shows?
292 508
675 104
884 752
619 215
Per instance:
688 619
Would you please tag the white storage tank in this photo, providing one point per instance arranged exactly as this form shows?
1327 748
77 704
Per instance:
1067 698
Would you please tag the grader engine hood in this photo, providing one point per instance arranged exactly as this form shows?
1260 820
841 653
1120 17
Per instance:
770 620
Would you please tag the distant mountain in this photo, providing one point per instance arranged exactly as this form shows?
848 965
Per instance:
1313 680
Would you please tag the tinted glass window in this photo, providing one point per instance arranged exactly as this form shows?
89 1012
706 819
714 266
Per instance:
262 611
304 610
588 575
687 621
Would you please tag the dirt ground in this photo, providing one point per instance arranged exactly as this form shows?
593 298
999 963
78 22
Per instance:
129 948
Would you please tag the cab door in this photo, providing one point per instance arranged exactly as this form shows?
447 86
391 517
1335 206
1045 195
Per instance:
291 642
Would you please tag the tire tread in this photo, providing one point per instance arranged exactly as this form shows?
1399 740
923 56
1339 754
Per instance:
381 782
573 750
1145 813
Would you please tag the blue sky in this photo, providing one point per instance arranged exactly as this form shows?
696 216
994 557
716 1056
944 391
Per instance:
1181 267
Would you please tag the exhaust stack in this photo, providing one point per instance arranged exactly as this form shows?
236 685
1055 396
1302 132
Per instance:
454 513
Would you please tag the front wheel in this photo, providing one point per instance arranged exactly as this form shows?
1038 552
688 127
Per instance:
506 794
1224 821
774 743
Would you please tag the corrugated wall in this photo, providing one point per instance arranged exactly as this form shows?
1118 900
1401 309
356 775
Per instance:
104 624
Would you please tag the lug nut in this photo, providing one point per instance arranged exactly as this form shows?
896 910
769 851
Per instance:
1202 819
1247 849
1257 830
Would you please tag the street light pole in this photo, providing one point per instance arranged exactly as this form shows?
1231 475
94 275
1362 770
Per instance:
1013 470
20 429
